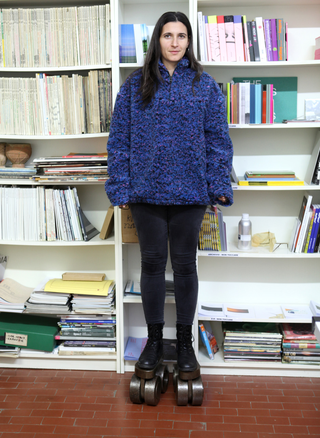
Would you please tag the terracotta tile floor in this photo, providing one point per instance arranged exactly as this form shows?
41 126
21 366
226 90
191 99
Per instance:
72 404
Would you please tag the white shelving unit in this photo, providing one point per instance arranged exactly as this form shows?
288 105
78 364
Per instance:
253 277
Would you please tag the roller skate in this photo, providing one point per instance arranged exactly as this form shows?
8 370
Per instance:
151 376
187 379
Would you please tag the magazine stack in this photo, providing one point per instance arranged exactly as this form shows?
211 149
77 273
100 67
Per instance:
300 345
252 341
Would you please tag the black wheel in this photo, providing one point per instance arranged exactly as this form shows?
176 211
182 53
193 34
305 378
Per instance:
163 373
182 392
135 390
174 377
197 392
152 391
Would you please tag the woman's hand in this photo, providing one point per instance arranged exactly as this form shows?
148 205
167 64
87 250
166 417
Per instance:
123 206
223 199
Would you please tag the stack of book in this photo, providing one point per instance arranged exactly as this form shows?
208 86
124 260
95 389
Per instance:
48 303
55 37
270 178
72 167
56 105
252 341
86 335
43 214
17 172
299 345
212 235
232 38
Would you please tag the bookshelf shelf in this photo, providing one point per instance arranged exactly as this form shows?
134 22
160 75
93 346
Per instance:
219 366
308 187
54 69
290 125
258 253
272 64
137 300
95 241
53 137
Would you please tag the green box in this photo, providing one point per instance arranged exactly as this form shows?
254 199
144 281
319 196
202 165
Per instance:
28 331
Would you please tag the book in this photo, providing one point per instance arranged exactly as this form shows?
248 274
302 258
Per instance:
261 39
315 308
296 311
57 285
222 38
250 40
270 182
281 39
230 38
274 39
267 35
127 49
238 36
297 331
255 42
205 341
214 43
303 217
284 97
83 276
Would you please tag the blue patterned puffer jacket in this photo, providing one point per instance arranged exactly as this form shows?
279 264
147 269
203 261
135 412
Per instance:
177 150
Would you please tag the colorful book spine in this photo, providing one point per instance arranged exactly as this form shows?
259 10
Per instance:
245 38
222 38
255 41
261 39
267 35
230 38
238 35
274 39
214 44
281 39
250 41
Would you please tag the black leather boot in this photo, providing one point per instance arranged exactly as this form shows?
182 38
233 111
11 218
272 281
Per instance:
153 351
186 358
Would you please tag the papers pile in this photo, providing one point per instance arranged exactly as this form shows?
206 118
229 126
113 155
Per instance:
13 296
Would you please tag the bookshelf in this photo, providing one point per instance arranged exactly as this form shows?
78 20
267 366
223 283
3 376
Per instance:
258 276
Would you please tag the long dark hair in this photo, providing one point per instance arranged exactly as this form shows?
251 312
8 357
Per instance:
150 71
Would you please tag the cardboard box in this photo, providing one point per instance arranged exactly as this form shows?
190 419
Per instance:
28 331
129 232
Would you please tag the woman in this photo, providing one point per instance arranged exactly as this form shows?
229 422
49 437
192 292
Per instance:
169 156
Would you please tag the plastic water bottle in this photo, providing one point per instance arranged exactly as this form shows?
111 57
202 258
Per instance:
244 232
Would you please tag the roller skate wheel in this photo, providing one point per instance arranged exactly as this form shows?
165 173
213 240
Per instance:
163 373
135 390
182 392
152 391
175 374
196 392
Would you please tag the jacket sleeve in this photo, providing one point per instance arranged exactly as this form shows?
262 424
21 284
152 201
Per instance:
219 149
117 186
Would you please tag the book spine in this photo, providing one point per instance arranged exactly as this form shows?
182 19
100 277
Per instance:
245 38
261 39
222 38
205 341
230 38
267 35
250 41
281 39
238 36
274 39
255 41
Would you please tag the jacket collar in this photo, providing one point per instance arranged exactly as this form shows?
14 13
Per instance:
182 65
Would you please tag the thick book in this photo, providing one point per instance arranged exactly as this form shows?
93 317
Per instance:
297 331
281 39
83 276
108 224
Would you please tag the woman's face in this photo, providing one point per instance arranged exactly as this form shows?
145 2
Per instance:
173 43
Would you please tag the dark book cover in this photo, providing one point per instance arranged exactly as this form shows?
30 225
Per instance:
255 41
250 40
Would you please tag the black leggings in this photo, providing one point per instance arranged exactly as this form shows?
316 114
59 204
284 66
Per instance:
181 223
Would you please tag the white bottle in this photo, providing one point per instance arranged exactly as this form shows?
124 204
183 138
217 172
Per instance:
244 232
